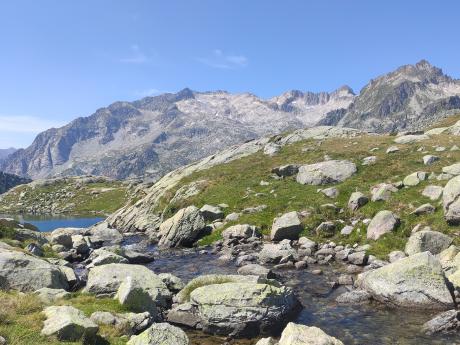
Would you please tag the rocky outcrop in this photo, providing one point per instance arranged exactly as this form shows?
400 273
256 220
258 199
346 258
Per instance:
417 282
183 229
332 171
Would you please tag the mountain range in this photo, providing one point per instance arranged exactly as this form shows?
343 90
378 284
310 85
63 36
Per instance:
154 135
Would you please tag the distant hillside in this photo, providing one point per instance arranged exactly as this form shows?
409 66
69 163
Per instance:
8 181
152 136
6 152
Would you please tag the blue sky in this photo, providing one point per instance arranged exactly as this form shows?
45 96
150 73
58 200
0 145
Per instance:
64 59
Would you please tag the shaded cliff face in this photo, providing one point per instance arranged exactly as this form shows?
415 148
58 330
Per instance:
412 97
8 181
152 136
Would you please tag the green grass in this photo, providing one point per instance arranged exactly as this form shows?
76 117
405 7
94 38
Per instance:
93 198
229 183
21 319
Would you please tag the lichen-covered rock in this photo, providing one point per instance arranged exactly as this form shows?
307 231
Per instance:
433 241
332 171
160 334
382 223
417 282
26 273
243 309
451 201
295 334
69 324
106 280
287 226
182 229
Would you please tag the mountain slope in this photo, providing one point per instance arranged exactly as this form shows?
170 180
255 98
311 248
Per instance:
412 97
154 135
8 181
6 152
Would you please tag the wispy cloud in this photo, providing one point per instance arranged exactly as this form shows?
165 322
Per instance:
135 56
221 60
26 124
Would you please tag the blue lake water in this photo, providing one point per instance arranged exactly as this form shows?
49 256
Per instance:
49 223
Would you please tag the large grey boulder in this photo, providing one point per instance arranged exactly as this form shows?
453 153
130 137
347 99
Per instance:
433 241
26 273
417 282
244 308
295 334
274 252
287 226
69 324
451 201
382 223
332 171
106 280
357 200
160 334
182 229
